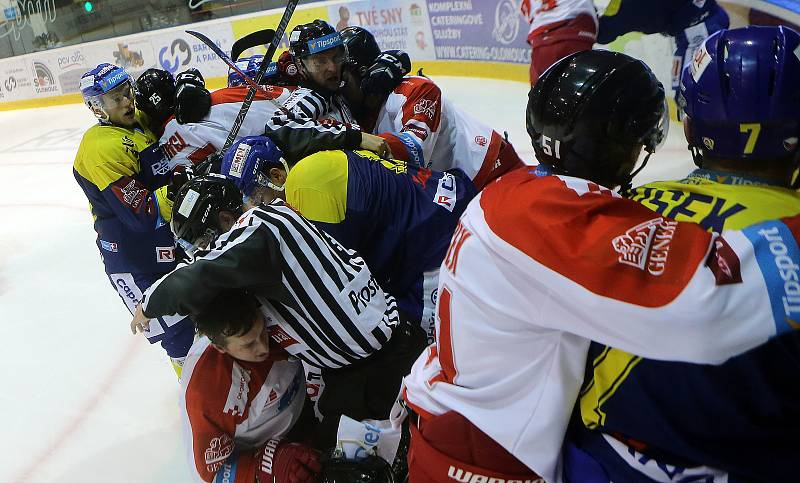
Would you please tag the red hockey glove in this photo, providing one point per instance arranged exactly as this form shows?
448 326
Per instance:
288 75
284 462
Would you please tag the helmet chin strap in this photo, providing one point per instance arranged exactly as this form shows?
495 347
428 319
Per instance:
274 186
697 155
627 183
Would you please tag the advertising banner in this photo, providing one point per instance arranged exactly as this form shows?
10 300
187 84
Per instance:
16 80
245 26
45 82
479 30
70 65
396 24
176 51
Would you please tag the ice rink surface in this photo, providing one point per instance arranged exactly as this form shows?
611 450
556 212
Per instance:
83 400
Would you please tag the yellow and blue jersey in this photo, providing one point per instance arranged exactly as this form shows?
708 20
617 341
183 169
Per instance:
399 217
128 204
682 422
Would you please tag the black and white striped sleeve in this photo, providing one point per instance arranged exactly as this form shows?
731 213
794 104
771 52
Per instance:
298 130
337 310
247 256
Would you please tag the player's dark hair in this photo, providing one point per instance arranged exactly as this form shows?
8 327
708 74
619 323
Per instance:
230 313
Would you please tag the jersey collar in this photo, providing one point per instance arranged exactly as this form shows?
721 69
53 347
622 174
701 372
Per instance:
732 179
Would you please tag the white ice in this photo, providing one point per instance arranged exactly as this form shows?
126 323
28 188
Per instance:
83 400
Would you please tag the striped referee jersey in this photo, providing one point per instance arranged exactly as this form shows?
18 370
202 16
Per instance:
319 298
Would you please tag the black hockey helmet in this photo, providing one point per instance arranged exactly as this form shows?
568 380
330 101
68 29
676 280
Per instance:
590 114
371 469
311 38
362 49
155 93
197 204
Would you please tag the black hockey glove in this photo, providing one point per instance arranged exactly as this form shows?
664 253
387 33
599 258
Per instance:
180 175
192 99
386 73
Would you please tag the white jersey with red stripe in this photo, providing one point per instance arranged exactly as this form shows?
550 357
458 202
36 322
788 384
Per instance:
230 406
300 120
190 143
542 14
540 266
426 129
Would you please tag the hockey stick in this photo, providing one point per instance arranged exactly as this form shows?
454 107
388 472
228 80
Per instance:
224 57
251 93
254 39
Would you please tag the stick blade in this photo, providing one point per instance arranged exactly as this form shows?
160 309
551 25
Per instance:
253 39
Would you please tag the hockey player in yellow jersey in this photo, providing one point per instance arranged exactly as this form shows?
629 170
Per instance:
645 420
119 168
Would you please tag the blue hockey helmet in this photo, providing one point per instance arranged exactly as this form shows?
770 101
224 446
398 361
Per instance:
741 95
248 161
96 85
250 66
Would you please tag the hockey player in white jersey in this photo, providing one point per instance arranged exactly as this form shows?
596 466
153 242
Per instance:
292 117
421 126
541 265
558 28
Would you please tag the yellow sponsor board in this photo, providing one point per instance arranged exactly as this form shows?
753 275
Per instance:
248 25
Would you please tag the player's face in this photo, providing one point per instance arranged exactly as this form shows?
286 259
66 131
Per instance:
325 68
253 346
352 88
119 105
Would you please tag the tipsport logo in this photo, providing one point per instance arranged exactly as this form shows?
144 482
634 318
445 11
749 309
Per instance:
180 54
111 82
324 43
777 253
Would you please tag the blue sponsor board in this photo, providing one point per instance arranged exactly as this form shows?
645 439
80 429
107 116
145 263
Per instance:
479 30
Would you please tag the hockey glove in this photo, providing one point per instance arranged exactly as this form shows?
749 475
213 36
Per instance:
284 462
386 73
192 99
288 74
180 175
